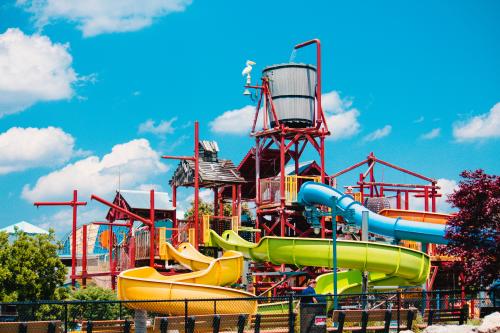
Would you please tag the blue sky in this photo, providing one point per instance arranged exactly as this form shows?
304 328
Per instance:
90 90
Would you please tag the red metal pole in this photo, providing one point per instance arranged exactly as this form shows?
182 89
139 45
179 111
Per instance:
320 116
233 200
398 199
282 185
120 209
426 198
407 200
174 218
434 192
73 238
111 263
372 176
322 157
361 188
74 204
84 256
257 171
152 228
198 232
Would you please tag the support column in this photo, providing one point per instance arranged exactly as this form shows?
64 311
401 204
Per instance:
282 186
216 200
111 264
140 321
152 228
84 255
197 227
364 238
73 240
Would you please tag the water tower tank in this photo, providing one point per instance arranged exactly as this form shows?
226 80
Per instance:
293 90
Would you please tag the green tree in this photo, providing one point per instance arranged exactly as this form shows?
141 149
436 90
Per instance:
474 232
94 310
208 209
30 268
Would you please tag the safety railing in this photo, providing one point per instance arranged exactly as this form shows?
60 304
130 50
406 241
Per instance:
270 190
219 224
276 312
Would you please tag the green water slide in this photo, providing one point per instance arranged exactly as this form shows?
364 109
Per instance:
388 265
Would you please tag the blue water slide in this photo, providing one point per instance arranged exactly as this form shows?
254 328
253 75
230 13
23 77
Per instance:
315 193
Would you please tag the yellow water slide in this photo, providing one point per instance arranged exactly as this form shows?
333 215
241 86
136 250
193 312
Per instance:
205 282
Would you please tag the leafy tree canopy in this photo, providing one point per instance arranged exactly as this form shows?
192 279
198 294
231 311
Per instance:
474 233
208 209
30 268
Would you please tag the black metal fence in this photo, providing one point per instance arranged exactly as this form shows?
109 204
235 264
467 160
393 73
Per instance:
284 309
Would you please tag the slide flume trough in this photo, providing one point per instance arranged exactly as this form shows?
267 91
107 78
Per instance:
205 282
312 193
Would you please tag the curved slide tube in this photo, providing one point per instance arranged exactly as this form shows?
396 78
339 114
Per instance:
315 193
204 282
410 267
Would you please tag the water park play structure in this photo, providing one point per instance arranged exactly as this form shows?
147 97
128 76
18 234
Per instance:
304 226
390 265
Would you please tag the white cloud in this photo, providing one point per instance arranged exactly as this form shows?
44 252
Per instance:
434 133
481 127
32 69
341 117
25 148
378 133
237 121
163 127
133 162
94 17
447 186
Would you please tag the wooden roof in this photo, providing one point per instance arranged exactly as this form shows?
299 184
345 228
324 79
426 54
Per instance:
212 174
137 202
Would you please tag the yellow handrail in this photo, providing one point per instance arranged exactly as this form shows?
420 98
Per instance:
292 188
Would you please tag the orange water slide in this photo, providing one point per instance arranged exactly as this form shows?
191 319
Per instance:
416 215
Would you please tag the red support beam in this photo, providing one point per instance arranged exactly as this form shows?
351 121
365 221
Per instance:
198 232
430 180
152 228
120 209
320 117
74 204
84 255
111 263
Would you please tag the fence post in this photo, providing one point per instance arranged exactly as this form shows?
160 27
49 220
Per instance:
140 319
120 311
23 328
241 323
216 324
126 326
185 314
65 317
89 326
341 320
399 310
387 320
164 325
291 315
256 323
52 327
33 311
190 324
364 321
